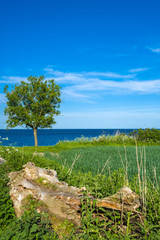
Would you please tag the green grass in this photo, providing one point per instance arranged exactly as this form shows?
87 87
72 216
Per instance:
92 159
56 148
102 140
89 159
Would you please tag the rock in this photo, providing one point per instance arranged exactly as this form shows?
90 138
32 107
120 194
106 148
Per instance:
62 201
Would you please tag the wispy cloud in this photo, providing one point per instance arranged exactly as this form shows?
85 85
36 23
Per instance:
110 75
138 70
156 50
78 83
61 76
69 94
141 87
88 86
12 79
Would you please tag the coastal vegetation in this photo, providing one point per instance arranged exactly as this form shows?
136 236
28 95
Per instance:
140 137
100 167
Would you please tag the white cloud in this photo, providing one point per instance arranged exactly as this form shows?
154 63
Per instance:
138 70
62 77
152 86
88 86
49 70
157 50
12 79
84 84
110 75
71 93
71 76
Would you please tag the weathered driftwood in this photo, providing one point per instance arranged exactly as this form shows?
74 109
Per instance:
61 200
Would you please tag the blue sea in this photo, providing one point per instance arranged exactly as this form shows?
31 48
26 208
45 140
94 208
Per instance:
48 137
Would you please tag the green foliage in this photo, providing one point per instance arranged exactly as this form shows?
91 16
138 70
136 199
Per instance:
15 159
33 225
97 223
147 136
33 104
140 137
153 204
7 213
90 226
119 139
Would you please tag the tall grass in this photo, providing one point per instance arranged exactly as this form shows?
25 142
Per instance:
102 140
93 159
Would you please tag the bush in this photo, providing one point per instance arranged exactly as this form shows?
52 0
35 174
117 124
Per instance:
147 135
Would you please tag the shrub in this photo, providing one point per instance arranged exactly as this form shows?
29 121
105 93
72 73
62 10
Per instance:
147 135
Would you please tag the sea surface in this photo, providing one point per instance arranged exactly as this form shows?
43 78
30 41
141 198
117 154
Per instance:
48 137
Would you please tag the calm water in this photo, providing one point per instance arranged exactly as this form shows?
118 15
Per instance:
47 137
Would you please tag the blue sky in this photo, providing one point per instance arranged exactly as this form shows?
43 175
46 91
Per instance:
105 54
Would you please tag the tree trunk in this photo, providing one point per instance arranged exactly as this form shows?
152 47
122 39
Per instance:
35 137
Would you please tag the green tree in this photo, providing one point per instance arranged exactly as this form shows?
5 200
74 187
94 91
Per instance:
33 104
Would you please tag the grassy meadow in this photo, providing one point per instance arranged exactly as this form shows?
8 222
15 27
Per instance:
103 165
103 159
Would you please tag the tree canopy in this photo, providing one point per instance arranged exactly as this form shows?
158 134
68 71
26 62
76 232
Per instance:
33 104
